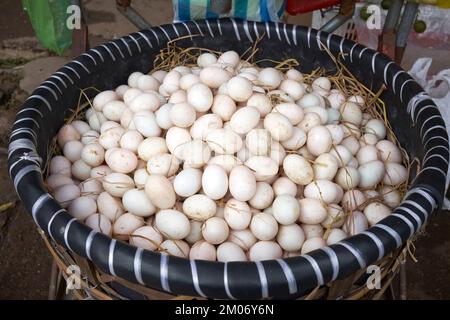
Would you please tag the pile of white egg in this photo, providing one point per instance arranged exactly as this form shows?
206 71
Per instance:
227 161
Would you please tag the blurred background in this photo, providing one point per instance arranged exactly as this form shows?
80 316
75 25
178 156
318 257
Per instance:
27 59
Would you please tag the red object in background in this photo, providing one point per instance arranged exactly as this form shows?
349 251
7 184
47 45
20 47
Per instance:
294 7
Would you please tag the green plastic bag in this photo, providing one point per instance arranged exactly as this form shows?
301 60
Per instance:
48 18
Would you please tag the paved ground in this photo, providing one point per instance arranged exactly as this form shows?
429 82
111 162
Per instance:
24 261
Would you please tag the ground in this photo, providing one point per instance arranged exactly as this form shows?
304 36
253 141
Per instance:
24 261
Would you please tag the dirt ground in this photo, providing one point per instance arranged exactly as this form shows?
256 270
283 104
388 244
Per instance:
24 261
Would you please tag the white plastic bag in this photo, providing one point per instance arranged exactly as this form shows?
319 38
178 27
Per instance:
438 87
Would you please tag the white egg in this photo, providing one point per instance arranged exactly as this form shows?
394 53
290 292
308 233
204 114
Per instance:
82 207
177 248
223 106
375 212
160 191
310 120
146 237
335 235
242 183
122 160
319 140
395 174
325 167
237 214
225 161
377 127
367 154
147 101
292 88
312 244
286 209
336 99
269 78
103 98
263 197
136 202
294 74
60 165
352 200
116 184
312 230
261 102
321 86
323 190
120 90
130 140
164 164
200 97
67 133
125 225
202 250
290 237
72 150
204 124
215 230
199 207
296 141
355 223
391 196
81 170
195 232
224 141
159 75
264 168
110 138
265 250
229 251
244 120
91 188
371 173
133 79
264 226
230 58
278 125
298 169
145 123
99 223
351 112
187 182
243 238
152 146
109 206
172 224
389 152
284 185
176 140
57 180
147 82
214 181
312 211
348 177
130 94
182 115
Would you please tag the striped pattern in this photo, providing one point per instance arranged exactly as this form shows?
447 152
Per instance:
37 122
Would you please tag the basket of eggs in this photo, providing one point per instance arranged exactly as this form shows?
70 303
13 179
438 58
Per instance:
229 159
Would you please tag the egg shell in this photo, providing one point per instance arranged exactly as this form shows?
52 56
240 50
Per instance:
323 190
160 191
261 102
147 101
335 218
109 206
125 225
312 244
371 173
355 223
284 185
265 250
335 235
103 98
263 167
57 180
214 76
352 199
296 141
229 251
172 224
195 233
122 161
164 164
270 78
375 212
99 223
81 170
116 184
72 150
196 153
230 58
319 140
67 133
177 248
388 151
312 211
224 141
244 120
187 182
367 154
214 181
298 169
325 167
312 230
243 238
200 97
136 202
264 226
82 207
152 146
263 197
292 88
348 177
290 237
223 106
205 123
377 127
199 207
237 214
91 188
60 165
242 183
395 174
110 138
278 125
146 237
286 209
215 230
391 196
202 250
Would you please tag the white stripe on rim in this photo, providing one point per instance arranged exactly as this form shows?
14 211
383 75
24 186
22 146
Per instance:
23 172
49 230
36 96
146 39
292 284
195 279
236 30
225 281
137 264
334 261
112 246
377 242
262 279
392 233
401 88
73 70
406 220
247 32
89 56
66 232
88 244
50 90
38 205
315 266
354 252
164 271
109 51
82 65
99 54
118 48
